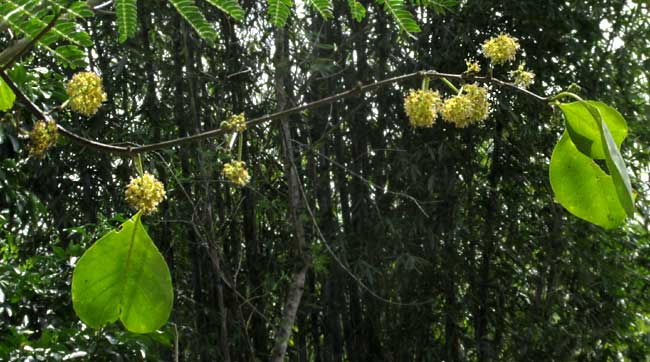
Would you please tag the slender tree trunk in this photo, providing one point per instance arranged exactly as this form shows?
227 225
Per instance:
297 285
485 350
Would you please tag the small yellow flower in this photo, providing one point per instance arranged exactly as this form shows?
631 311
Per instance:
144 193
469 107
523 78
236 123
41 138
457 110
86 93
501 49
236 172
480 103
422 107
472 66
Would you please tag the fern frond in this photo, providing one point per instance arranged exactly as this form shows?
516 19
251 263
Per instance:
357 10
78 9
191 13
69 55
279 11
127 18
230 7
403 17
438 6
31 17
30 20
324 7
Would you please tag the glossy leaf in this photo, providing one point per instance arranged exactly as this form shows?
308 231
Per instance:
585 131
123 276
7 96
615 162
582 187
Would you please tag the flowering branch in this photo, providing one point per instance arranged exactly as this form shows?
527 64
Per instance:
356 91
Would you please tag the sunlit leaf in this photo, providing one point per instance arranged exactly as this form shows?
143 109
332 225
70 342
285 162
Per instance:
123 276
7 96
585 130
582 187
615 163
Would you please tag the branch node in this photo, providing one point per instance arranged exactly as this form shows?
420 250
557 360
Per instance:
358 89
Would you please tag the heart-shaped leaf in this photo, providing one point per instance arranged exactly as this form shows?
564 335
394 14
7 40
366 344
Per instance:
123 275
582 187
585 131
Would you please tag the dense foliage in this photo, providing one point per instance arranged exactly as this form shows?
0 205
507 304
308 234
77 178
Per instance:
435 244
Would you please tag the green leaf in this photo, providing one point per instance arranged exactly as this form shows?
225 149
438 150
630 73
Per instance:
438 6
403 17
30 17
324 7
357 10
79 9
582 187
123 275
7 96
279 11
585 130
127 18
230 7
615 162
191 13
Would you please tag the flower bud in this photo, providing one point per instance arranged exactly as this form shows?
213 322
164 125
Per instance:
472 66
522 77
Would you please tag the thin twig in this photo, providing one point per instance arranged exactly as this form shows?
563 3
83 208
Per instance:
345 267
357 91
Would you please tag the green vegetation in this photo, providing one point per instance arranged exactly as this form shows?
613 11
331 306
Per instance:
376 180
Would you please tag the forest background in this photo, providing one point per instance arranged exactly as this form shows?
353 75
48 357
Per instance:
441 244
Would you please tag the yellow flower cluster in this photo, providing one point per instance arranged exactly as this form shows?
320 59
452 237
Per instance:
236 123
523 78
469 107
41 138
422 107
86 93
236 172
144 193
501 49
472 66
